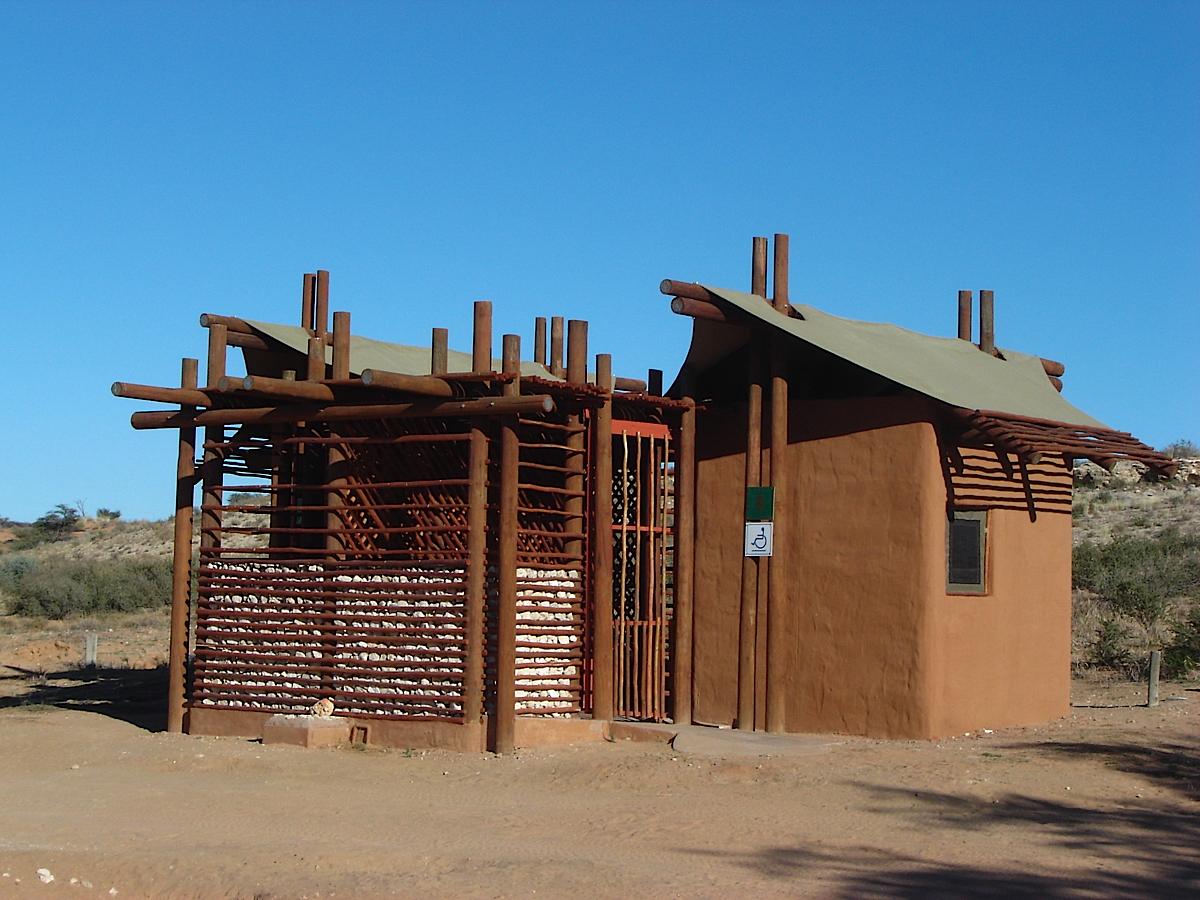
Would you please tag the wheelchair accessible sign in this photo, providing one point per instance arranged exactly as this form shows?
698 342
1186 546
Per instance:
760 530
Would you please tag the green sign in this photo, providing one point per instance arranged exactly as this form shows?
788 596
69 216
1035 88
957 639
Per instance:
760 504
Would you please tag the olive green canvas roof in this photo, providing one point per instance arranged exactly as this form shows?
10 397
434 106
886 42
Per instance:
366 353
947 369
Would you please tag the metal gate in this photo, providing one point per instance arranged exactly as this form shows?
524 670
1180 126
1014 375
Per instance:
643 521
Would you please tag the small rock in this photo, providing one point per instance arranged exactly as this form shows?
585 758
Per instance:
44 876
74 881
112 892
76 766
1068 788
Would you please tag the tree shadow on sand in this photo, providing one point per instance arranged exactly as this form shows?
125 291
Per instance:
1135 848
136 696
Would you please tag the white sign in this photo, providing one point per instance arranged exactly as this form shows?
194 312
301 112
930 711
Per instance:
760 538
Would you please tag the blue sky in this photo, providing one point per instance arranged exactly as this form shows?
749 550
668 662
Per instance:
161 160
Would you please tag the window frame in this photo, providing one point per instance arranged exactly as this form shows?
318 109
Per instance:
970 589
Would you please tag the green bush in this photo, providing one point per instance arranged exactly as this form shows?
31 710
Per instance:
1110 648
56 588
1182 449
1182 655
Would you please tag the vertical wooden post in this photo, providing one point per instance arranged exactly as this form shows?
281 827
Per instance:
539 340
476 575
781 301
654 382
1152 686
748 614
964 315
987 322
212 495
577 334
758 267
307 302
181 562
439 355
777 585
321 313
481 337
316 360
556 346
506 563
341 346
685 518
602 549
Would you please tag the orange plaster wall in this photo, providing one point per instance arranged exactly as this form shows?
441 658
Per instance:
854 526
876 645
1004 658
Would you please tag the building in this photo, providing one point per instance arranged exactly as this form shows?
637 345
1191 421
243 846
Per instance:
476 553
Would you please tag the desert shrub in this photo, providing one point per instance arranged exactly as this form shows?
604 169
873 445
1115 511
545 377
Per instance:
1110 647
1182 449
56 588
108 514
1182 656
59 522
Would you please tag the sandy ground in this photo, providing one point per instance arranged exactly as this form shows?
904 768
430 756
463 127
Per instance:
1103 803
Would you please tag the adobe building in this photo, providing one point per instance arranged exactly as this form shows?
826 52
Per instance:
481 553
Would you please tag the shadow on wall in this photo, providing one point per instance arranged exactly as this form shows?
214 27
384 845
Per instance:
136 696
1146 849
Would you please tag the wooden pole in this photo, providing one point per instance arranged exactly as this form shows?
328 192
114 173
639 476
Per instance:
481 337
183 396
965 299
307 302
602 549
758 267
181 563
321 313
218 345
654 382
506 565
577 331
212 468
439 355
748 615
777 586
987 322
476 575
425 385
781 301
556 346
341 346
339 412
1152 686
539 340
685 519
577 334
316 360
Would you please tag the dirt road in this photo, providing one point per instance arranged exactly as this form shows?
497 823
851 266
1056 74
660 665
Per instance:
1106 803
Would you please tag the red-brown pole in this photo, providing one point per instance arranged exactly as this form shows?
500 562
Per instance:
685 506
321 314
964 315
654 382
602 550
781 302
481 337
758 267
778 584
476 576
439 355
987 322
218 345
748 612
316 360
506 565
341 346
181 563
307 302
577 331
556 346
539 340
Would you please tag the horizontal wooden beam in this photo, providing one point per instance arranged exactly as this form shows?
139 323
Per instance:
233 323
688 289
698 309
182 396
316 412
633 385
425 385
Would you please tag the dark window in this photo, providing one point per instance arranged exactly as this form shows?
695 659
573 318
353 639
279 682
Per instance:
966 552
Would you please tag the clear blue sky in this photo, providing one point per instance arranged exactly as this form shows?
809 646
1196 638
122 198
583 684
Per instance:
160 160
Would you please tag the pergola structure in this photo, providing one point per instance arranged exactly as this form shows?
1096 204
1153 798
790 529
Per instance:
438 551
